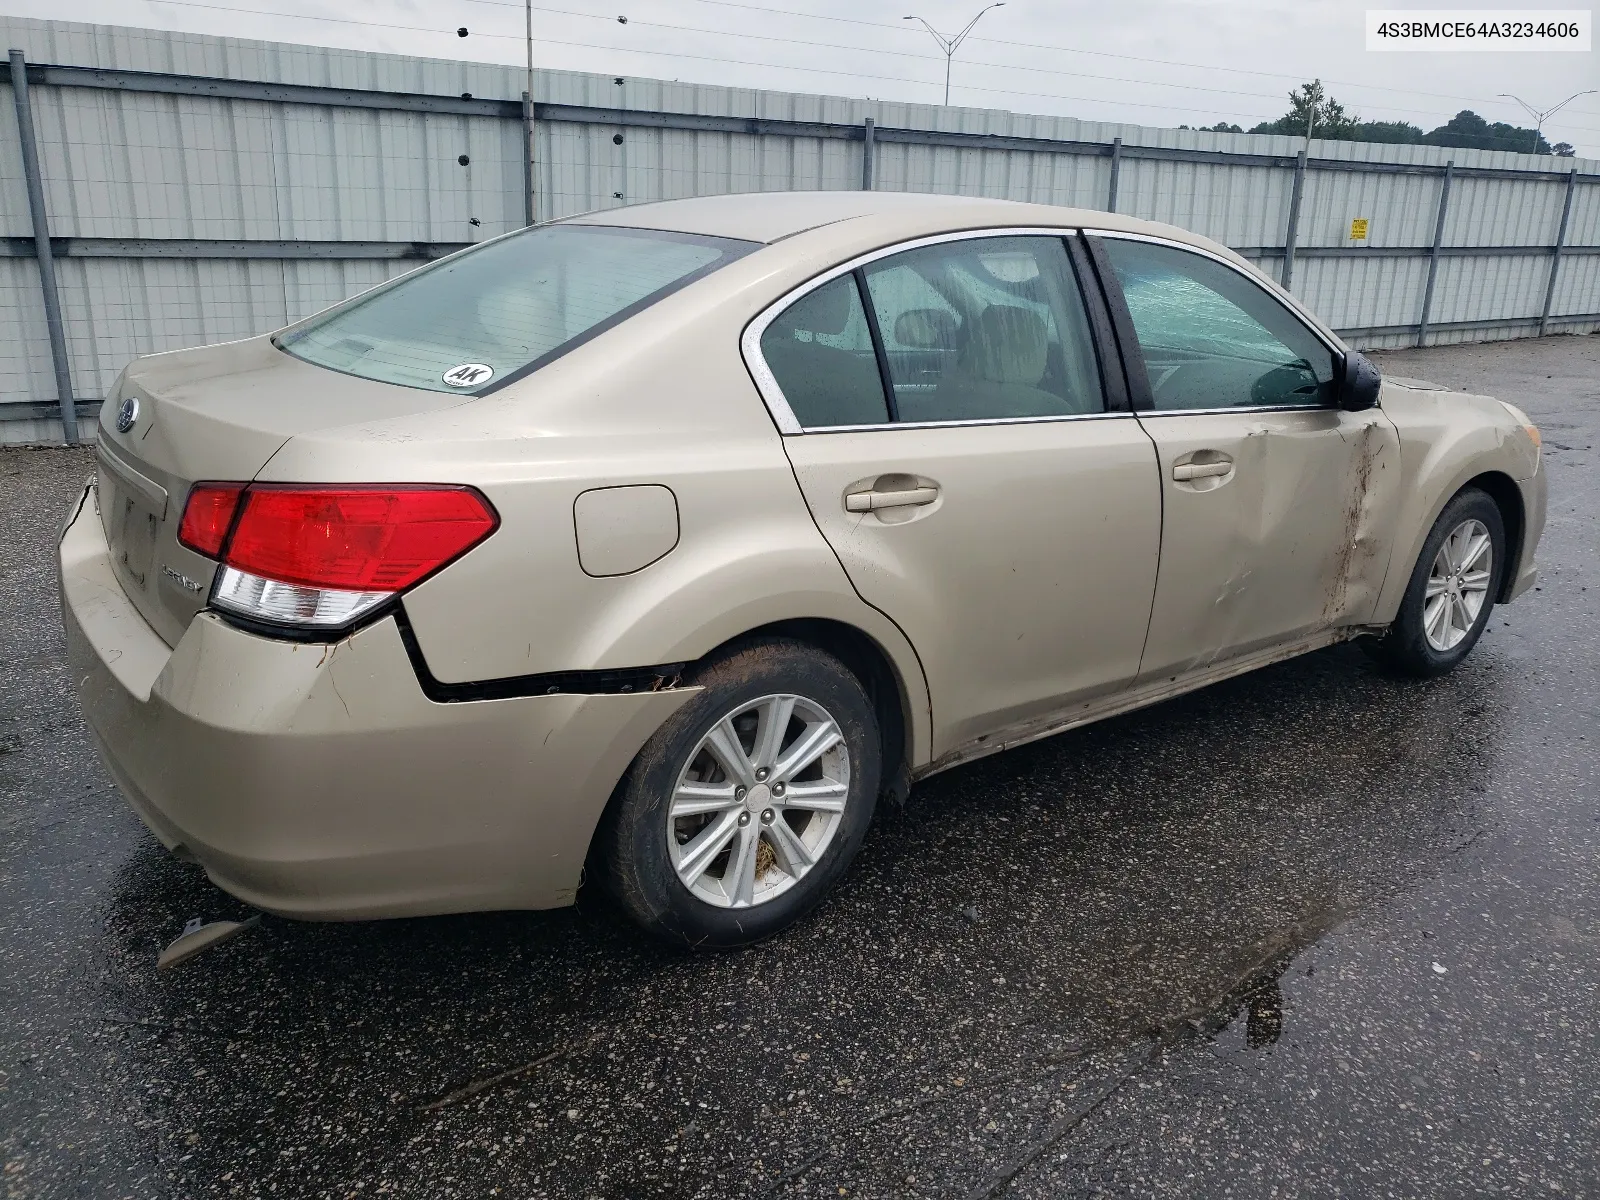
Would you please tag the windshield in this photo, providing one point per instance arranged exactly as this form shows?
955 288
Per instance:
479 319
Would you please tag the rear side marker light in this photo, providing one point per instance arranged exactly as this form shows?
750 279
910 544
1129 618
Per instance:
322 557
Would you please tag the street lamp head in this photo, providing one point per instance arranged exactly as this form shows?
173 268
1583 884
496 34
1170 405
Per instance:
949 44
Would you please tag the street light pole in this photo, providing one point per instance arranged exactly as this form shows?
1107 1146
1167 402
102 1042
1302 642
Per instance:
951 44
1539 117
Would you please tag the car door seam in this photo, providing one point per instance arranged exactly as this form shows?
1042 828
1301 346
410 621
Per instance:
1161 541
927 688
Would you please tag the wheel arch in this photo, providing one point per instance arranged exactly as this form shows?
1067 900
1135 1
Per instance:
1499 486
894 699
1507 496
870 663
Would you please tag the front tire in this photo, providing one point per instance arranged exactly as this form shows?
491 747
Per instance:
1451 594
745 808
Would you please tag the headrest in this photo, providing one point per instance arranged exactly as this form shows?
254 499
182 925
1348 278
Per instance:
926 329
1007 344
520 316
826 310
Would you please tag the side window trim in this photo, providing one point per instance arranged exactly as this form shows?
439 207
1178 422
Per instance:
1140 396
1113 370
890 401
772 394
1133 353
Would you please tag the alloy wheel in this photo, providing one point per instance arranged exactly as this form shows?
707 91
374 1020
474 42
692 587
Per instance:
759 801
1458 585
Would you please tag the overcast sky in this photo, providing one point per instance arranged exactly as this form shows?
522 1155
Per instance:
1151 62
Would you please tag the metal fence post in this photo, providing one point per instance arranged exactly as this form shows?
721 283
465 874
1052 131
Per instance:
1116 174
1555 256
1433 256
42 253
1293 232
869 143
527 159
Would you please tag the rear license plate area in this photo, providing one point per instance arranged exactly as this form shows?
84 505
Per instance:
131 525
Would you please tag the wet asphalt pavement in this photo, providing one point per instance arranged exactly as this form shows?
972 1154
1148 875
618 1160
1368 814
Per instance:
1313 932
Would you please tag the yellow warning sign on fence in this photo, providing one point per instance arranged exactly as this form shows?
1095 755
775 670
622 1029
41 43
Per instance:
1358 229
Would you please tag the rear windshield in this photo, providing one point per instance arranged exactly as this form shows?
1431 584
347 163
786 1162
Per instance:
478 320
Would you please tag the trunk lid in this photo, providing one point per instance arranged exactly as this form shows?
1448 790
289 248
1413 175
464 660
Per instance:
212 413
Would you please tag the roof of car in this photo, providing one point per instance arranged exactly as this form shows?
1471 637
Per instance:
772 216
840 225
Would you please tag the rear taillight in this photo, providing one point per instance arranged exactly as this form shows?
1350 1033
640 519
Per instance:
208 515
325 556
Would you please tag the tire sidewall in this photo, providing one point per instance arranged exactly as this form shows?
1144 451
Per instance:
641 870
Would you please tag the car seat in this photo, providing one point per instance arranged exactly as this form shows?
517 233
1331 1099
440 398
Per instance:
999 368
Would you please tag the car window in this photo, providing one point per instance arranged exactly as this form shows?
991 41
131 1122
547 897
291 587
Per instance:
471 321
985 328
1213 339
819 349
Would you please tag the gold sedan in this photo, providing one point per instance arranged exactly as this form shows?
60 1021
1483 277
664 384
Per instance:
670 539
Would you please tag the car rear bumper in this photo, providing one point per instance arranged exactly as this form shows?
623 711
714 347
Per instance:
318 781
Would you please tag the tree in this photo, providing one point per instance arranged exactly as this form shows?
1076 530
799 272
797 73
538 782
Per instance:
1312 112
1468 129
1402 132
1563 150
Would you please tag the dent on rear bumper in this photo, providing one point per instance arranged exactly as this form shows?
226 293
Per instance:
318 781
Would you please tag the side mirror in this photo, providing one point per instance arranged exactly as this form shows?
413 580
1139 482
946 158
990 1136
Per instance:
1359 382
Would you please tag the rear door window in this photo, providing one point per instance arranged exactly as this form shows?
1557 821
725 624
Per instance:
985 329
819 349
478 320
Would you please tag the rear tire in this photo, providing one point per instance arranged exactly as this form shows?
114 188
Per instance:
1451 594
731 824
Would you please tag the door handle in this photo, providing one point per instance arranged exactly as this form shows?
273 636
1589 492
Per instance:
1184 472
875 501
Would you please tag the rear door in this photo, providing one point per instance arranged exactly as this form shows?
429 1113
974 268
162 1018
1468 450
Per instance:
958 445
1278 506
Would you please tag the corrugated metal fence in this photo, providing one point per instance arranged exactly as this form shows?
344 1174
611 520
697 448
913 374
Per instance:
198 189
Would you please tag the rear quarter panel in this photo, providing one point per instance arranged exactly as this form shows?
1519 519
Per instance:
1446 440
663 399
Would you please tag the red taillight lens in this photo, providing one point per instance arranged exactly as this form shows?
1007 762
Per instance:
359 539
207 516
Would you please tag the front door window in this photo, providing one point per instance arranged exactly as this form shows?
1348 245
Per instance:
1213 339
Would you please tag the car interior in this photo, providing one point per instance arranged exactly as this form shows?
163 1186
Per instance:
970 332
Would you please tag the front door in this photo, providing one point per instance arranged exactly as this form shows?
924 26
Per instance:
984 499
1278 506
